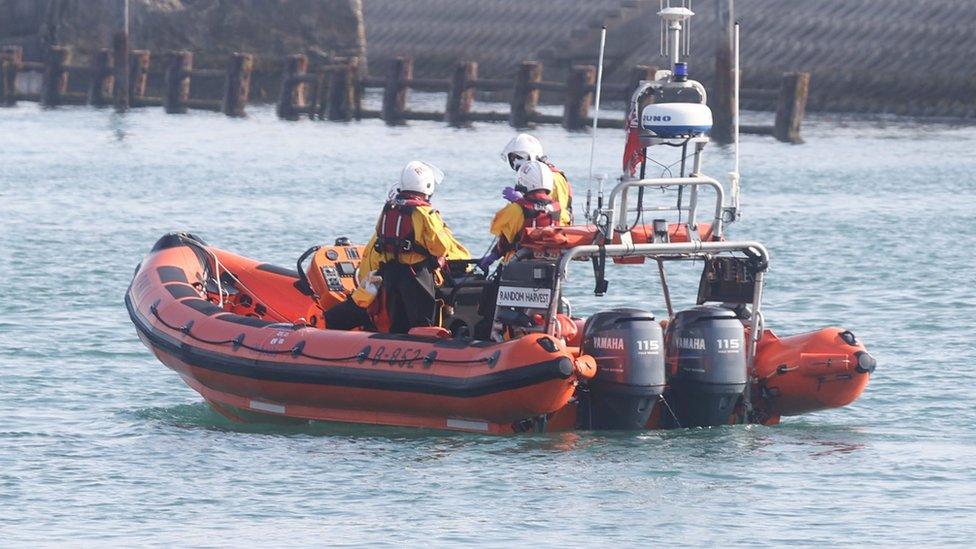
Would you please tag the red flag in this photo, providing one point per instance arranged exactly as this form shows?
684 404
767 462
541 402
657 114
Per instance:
633 151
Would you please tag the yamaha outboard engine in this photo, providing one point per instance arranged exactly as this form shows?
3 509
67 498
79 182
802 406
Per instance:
706 364
628 346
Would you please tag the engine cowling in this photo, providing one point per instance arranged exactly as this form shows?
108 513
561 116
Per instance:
628 346
706 355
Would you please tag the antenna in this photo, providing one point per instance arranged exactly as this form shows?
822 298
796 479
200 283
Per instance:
596 115
671 19
664 32
687 46
596 102
734 176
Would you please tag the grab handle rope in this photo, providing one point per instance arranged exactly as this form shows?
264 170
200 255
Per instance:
299 348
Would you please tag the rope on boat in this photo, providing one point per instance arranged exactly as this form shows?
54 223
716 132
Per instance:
299 348
218 266
673 415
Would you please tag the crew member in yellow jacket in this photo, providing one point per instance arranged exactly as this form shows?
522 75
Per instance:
536 208
525 148
410 247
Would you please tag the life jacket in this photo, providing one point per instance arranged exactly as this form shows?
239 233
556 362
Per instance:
539 210
394 231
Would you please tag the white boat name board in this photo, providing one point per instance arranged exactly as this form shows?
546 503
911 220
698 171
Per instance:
536 298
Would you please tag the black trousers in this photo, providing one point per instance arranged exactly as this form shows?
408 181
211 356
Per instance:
410 292
346 316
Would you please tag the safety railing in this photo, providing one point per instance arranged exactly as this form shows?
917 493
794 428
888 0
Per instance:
615 215
671 252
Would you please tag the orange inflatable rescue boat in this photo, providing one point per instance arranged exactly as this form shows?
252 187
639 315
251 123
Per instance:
248 336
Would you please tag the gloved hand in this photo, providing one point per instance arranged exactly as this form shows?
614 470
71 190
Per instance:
510 194
486 261
365 294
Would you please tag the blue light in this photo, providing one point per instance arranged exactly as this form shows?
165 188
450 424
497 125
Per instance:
681 69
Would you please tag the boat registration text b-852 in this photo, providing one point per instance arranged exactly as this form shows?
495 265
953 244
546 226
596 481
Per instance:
512 296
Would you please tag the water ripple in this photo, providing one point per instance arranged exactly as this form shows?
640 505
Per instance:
102 444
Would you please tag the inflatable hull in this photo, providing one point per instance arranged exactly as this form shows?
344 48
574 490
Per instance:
803 373
288 369
255 356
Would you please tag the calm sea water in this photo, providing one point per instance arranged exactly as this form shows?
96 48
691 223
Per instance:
870 226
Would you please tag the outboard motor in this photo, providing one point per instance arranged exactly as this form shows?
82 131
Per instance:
628 346
707 365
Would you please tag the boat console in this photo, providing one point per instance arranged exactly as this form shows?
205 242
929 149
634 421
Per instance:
331 274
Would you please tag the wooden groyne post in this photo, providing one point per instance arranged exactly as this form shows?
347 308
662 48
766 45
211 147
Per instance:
461 95
398 74
54 83
305 92
238 84
722 95
579 90
178 67
11 59
120 51
138 76
791 107
343 98
525 94
291 99
316 87
102 79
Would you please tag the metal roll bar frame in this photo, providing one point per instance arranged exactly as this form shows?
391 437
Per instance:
665 252
610 214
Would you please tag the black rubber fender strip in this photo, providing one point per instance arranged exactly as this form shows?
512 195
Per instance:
245 320
180 291
168 273
167 241
202 306
269 268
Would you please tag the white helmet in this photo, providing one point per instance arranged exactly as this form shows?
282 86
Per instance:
420 177
522 148
535 176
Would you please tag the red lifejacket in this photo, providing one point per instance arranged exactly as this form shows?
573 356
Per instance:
539 210
394 230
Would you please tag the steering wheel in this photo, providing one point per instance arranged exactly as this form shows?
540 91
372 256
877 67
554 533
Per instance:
450 276
303 284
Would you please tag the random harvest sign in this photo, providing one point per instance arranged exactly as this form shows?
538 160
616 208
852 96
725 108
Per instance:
536 298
